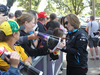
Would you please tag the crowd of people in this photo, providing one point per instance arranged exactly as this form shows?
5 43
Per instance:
17 35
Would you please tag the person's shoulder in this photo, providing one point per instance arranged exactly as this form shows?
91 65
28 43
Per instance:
94 21
2 43
83 34
23 33
48 23
49 32
89 23
19 48
39 23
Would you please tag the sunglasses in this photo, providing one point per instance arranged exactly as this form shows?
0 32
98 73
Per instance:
66 23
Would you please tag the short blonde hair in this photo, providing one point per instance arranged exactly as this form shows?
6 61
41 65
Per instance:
73 20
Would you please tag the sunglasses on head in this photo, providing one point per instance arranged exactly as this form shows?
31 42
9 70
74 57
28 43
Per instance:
66 23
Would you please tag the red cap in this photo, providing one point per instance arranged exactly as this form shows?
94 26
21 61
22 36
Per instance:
42 15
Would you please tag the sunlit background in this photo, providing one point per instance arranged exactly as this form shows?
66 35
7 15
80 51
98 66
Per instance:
41 7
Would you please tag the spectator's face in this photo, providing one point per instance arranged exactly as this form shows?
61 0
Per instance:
29 25
45 21
68 25
2 18
36 18
16 35
56 19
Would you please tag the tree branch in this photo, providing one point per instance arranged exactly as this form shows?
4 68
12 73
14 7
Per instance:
75 6
68 8
73 3
82 9
79 5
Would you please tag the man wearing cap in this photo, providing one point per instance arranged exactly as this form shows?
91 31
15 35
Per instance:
41 21
9 34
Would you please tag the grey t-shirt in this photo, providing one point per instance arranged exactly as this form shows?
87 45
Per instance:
93 28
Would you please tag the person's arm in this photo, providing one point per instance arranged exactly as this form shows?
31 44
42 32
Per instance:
80 45
32 36
86 28
28 61
14 61
37 52
36 43
11 71
24 39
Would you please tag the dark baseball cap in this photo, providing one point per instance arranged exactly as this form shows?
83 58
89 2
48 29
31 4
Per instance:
3 9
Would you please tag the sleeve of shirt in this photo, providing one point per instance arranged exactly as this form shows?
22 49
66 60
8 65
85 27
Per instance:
41 28
23 39
11 71
38 51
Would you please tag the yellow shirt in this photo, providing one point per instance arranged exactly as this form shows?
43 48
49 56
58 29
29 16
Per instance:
19 49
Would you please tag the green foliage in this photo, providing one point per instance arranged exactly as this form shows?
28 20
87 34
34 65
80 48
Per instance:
66 6
61 7
56 6
29 4
76 6
97 7
49 8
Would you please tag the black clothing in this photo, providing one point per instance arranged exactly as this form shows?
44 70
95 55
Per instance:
41 27
52 55
48 24
49 31
33 52
76 45
22 39
76 70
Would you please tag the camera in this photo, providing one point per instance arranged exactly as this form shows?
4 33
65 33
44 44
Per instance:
96 33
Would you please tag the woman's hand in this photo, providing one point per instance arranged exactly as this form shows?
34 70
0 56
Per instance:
14 59
32 36
28 61
61 45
